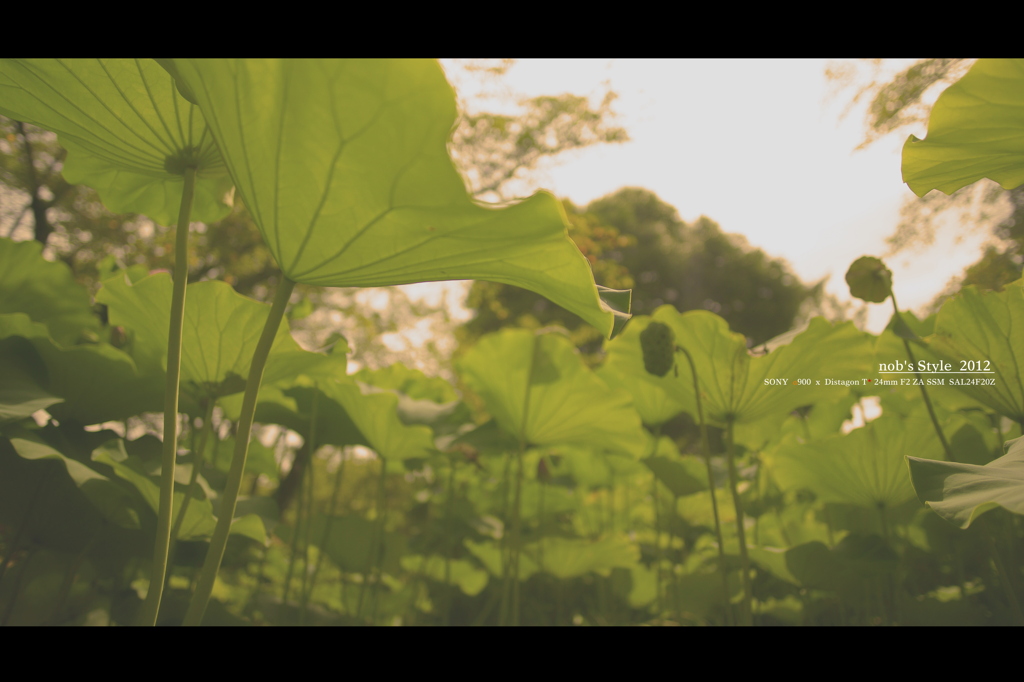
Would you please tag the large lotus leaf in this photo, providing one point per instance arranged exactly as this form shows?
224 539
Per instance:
864 467
199 520
113 501
960 493
462 573
128 133
290 405
349 542
220 332
975 131
486 439
344 165
581 466
735 385
986 327
376 416
426 412
348 413
651 400
260 460
43 290
573 557
844 567
410 382
490 554
538 388
43 499
824 418
22 380
681 475
97 381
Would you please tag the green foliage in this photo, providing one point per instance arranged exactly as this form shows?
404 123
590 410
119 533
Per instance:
976 130
987 329
45 292
539 390
128 132
540 499
221 331
960 493
347 173
864 467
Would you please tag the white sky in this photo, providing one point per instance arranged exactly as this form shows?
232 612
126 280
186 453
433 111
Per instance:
757 146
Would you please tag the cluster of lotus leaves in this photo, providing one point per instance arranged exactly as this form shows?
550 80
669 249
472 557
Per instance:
343 165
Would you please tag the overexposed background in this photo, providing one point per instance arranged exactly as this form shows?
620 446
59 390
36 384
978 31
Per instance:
760 146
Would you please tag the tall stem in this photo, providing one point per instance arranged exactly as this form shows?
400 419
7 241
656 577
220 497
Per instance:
162 545
924 393
327 528
310 491
706 444
517 535
746 617
449 549
197 462
215 554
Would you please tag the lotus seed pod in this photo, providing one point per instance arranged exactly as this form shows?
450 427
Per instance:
869 279
658 344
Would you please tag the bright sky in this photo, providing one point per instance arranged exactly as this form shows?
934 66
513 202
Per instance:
757 146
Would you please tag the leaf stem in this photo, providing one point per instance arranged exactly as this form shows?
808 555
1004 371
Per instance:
706 445
325 536
219 542
746 617
1004 575
920 382
197 463
449 545
162 544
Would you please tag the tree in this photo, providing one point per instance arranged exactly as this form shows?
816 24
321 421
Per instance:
647 247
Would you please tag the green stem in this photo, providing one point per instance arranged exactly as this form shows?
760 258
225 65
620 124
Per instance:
673 522
229 498
746 617
371 560
924 393
305 509
657 547
378 565
197 463
293 554
162 544
22 527
310 490
517 536
69 577
331 510
706 445
17 587
516 509
449 549
1004 576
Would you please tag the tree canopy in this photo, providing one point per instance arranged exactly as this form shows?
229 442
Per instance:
635 240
